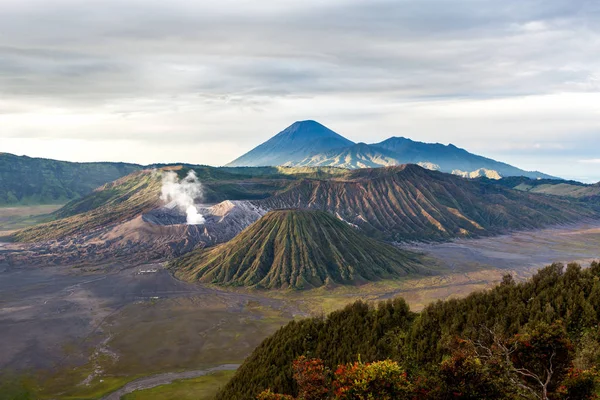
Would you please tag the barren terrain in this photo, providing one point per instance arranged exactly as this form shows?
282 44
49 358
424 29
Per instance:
85 332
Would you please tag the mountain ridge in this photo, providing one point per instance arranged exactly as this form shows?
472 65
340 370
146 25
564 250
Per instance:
302 144
31 180
408 202
411 151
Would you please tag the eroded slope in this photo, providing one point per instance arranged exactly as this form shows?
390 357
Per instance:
298 249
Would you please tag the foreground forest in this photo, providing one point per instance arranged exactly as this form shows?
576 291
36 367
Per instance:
534 340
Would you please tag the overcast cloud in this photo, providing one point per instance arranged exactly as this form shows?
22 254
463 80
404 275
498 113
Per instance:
202 82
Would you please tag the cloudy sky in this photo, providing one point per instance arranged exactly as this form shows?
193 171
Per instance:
204 81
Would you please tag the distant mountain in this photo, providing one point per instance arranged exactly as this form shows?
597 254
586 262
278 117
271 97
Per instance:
296 249
310 144
399 150
449 158
293 144
27 181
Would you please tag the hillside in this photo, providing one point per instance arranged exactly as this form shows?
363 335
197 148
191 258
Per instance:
573 189
28 181
424 343
113 202
296 249
411 203
395 203
310 144
294 143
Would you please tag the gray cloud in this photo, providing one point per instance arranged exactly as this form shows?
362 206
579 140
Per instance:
399 48
176 69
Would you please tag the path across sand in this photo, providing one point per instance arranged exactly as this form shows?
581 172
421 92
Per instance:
164 379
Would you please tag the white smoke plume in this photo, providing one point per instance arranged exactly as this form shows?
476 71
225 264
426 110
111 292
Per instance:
182 193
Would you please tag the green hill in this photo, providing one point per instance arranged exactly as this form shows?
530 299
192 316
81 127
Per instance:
31 181
296 249
420 342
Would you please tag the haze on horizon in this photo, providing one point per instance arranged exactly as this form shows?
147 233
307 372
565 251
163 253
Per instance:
204 82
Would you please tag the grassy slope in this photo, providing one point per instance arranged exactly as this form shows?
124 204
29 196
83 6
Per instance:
116 201
299 249
201 388
411 203
254 183
32 181
300 172
572 189
13 218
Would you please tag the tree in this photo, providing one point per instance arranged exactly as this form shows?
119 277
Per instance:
466 375
382 380
537 363
312 378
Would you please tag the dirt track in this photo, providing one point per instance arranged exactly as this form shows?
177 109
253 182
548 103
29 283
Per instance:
163 379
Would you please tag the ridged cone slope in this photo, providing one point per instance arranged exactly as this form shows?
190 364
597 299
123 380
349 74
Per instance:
296 249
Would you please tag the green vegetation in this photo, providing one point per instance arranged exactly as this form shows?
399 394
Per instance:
255 183
13 218
572 189
298 172
33 181
297 249
557 310
201 388
17 388
537 364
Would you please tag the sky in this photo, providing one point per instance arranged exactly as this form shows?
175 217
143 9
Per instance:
205 81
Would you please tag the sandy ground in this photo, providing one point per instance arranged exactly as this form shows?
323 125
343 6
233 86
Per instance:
520 251
120 320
